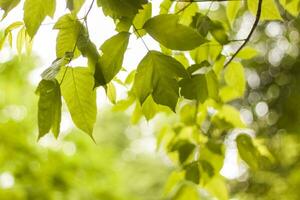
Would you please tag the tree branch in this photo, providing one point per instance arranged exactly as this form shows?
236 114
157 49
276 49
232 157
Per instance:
258 15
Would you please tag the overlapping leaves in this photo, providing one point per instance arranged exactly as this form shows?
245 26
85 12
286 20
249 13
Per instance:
157 75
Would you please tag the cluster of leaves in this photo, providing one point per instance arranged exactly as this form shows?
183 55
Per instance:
191 75
68 168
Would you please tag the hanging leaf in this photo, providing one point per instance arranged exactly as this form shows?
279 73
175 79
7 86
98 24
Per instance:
141 18
75 5
157 76
192 172
184 149
236 82
111 93
121 8
21 40
112 58
194 88
200 86
69 28
35 11
232 10
78 91
292 6
247 151
8 5
49 107
204 25
167 30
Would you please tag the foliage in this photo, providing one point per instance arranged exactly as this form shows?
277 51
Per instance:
71 166
193 75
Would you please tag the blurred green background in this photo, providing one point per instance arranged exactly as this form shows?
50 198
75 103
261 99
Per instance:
119 167
72 167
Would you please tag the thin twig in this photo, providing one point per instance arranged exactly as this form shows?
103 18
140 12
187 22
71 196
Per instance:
258 15
136 30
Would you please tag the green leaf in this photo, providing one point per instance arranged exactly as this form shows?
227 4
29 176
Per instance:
141 18
218 32
21 40
230 115
7 32
212 84
232 10
75 5
187 11
247 151
200 86
186 191
8 5
111 60
165 6
167 31
204 24
69 29
269 10
87 47
292 6
192 172
236 82
156 75
247 53
121 8
35 11
49 107
149 108
194 88
111 92
201 23
218 188
78 91
137 114
123 24
184 149
124 104
207 52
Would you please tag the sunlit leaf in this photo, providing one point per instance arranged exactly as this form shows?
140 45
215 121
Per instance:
35 11
111 60
236 82
232 10
156 75
247 150
269 9
78 91
75 5
121 8
8 5
141 18
69 28
167 30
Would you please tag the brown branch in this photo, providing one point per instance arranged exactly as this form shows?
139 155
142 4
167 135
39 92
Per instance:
258 15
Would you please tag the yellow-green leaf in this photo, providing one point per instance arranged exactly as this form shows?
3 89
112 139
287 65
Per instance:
269 10
35 11
167 30
78 91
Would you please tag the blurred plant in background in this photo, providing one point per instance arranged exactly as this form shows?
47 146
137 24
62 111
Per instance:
235 133
72 167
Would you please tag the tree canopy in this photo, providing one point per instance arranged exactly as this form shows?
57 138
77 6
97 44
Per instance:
203 78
